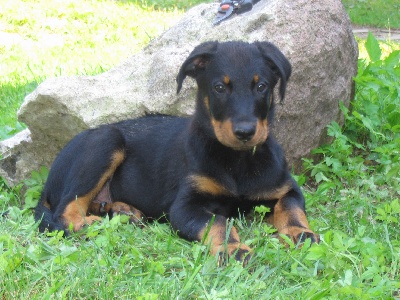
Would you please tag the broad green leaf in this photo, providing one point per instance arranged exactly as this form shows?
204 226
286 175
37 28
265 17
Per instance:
373 49
393 59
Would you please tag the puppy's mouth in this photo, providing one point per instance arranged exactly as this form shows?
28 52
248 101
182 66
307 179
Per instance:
242 136
243 147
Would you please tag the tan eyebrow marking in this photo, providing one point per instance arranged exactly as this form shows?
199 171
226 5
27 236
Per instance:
227 79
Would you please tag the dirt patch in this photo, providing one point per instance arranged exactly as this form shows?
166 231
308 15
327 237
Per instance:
379 33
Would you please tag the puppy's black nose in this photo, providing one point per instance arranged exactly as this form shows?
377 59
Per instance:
244 131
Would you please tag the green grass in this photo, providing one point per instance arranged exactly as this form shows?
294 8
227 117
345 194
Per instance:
381 13
67 38
168 4
352 190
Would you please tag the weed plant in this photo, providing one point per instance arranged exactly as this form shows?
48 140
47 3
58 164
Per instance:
357 180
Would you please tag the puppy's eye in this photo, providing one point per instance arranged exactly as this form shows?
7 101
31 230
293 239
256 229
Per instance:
261 87
219 88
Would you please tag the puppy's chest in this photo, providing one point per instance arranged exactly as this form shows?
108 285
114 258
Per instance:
245 188
228 198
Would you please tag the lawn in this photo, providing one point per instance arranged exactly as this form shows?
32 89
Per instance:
382 13
352 191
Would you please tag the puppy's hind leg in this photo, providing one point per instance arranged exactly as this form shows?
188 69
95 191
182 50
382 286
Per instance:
96 155
76 210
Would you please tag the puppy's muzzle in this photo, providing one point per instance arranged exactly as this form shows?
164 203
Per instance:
244 131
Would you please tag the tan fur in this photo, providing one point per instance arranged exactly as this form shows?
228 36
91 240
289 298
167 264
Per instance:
274 194
224 133
208 185
76 211
216 237
227 80
281 220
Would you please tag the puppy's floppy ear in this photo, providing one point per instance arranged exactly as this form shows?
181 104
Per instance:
278 62
196 62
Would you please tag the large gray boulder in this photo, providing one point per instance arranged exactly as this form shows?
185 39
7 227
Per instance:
315 35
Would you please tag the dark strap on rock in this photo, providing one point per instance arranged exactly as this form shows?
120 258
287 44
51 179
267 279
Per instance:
228 7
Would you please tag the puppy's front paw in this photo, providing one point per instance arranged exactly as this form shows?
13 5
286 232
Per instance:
298 235
241 253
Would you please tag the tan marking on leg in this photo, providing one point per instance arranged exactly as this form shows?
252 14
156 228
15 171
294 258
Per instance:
46 204
76 210
208 185
282 219
216 237
75 214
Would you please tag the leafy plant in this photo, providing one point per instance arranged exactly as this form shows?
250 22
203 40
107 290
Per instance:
357 180
34 187
366 150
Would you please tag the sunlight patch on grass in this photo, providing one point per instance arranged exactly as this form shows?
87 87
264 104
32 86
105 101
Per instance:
67 38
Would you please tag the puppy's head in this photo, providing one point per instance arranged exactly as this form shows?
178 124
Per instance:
235 88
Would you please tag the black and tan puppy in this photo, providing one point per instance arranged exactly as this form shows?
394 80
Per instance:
195 172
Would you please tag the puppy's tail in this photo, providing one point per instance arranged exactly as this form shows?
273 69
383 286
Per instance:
45 216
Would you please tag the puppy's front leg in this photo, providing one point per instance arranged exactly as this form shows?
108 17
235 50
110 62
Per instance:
190 217
289 217
222 241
